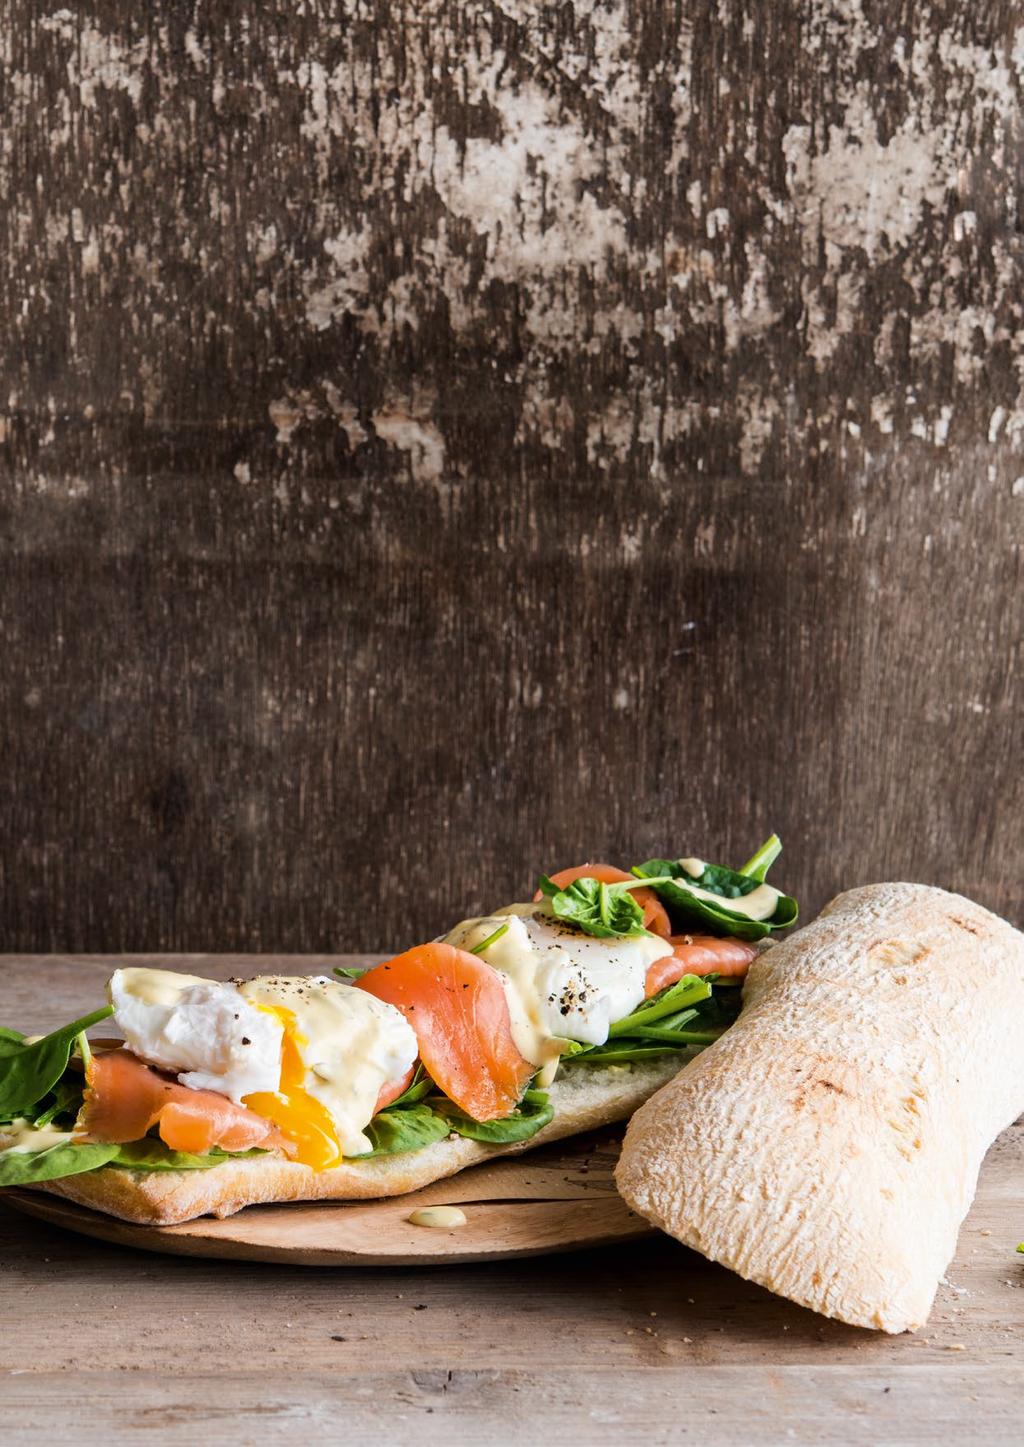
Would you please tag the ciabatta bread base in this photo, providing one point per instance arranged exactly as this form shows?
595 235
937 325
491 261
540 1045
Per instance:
585 1098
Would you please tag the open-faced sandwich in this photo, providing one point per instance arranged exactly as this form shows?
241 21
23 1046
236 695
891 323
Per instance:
538 1021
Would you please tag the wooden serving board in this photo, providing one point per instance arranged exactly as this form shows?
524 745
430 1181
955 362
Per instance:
563 1198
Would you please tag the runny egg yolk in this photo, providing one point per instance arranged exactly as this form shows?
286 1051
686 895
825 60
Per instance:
292 1109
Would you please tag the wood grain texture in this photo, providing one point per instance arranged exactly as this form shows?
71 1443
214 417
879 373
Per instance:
442 441
562 1199
645 1343
732 1405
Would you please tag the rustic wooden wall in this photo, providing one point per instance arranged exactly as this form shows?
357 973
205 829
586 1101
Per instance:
443 440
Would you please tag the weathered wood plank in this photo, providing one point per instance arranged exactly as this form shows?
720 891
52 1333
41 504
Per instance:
444 440
738 1405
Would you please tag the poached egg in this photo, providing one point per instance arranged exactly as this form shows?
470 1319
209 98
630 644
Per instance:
309 1053
560 983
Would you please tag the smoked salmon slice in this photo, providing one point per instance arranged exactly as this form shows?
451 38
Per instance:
699 955
393 1090
456 1006
655 914
124 1099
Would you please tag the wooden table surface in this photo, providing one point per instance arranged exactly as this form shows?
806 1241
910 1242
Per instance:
647 1343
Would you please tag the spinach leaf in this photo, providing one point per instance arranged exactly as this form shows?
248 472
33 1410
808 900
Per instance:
759 864
419 1086
689 1015
152 1155
23 1168
722 1010
533 1113
30 1074
674 886
675 1037
71 1159
65 1099
11 1041
607 911
619 1052
393 1132
397 1130
351 972
690 990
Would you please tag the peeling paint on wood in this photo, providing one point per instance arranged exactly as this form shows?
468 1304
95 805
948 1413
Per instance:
443 440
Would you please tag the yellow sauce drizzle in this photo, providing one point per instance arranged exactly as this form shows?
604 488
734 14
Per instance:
438 1216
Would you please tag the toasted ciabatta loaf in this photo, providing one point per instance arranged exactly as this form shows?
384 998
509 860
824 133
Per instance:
828 1146
584 1097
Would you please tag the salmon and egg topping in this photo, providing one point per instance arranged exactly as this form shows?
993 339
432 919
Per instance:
304 1064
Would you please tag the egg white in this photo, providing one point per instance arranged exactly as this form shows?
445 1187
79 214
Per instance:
205 1031
559 982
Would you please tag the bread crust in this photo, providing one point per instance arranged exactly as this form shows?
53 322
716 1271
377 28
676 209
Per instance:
584 1098
828 1146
